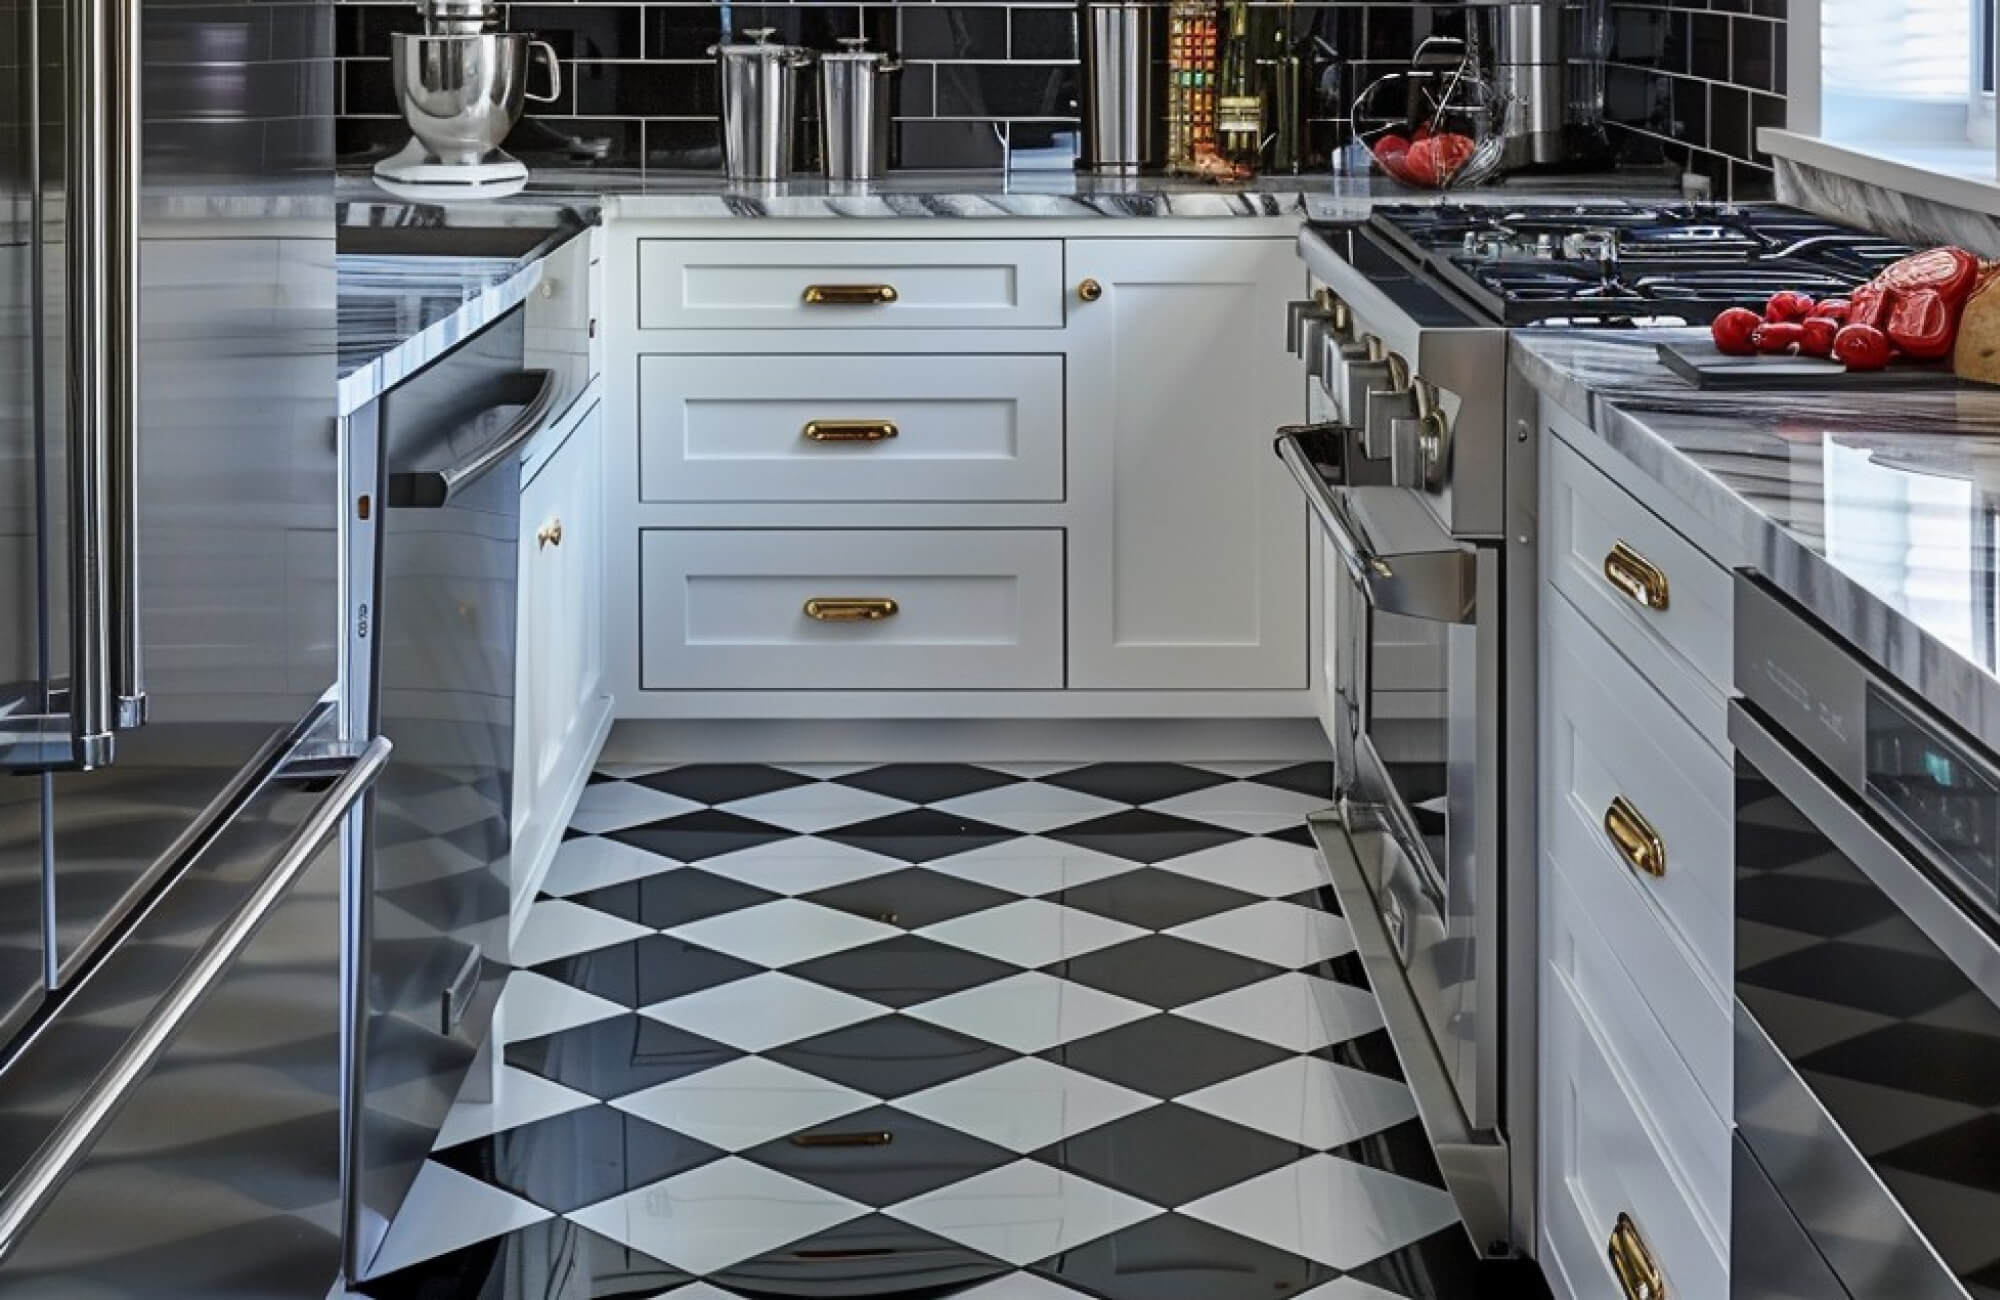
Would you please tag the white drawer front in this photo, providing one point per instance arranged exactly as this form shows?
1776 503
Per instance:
1685 647
1612 737
1694 1135
767 428
975 609
1602 1159
913 284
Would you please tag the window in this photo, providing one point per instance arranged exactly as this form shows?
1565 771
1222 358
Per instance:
1901 68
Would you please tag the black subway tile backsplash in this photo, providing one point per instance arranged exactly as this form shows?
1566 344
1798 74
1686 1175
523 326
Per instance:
1040 33
1720 73
952 31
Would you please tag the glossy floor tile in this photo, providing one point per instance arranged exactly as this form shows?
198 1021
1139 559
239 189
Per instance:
978 1031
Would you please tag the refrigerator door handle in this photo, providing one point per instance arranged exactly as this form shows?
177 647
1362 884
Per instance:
44 1172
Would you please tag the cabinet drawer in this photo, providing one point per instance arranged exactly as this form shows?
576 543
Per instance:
1601 1159
1694 1134
1612 738
847 284
1598 536
917 428
973 609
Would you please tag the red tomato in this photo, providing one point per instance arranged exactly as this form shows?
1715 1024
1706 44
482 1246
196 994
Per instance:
1778 336
1449 151
1423 132
1833 309
1924 324
1950 271
1389 143
1423 161
1732 330
1788 305
1817 337
1861 347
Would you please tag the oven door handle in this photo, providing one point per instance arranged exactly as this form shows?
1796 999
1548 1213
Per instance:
534 391
1392 546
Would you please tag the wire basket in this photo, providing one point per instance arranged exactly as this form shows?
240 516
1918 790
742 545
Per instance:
1440 125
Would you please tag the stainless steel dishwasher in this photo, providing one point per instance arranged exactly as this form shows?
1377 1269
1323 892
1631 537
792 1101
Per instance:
432 609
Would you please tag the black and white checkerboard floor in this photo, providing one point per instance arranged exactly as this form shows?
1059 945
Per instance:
996 1031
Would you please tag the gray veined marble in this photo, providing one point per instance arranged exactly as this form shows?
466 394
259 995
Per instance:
1907 217
398 314
1876 510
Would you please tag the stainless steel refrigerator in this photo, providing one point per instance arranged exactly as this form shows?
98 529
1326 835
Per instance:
173 778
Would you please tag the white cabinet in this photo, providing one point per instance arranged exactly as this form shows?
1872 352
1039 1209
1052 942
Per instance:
1189 541
560 708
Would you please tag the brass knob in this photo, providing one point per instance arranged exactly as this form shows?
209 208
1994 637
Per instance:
549 534
1090 290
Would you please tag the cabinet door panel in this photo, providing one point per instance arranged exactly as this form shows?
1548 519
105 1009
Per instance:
1189 554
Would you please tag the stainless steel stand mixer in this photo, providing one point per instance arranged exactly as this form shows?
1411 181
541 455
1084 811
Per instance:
461 84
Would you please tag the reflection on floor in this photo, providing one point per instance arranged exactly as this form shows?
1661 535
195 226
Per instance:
999 1032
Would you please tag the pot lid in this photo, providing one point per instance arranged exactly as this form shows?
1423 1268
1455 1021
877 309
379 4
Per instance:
759 46
854 49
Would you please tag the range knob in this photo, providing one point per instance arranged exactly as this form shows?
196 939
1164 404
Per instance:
1362 369
1390 400
1417 442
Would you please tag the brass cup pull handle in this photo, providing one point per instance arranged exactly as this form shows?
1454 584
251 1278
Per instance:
1636 576
1634 838
849 430
851 609
549 534
1638 1276
849 295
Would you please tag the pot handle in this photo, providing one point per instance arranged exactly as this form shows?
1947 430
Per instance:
548 53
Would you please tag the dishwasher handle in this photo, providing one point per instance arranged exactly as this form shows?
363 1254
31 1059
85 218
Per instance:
535 392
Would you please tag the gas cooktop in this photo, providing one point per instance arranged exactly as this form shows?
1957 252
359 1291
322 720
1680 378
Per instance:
1577 264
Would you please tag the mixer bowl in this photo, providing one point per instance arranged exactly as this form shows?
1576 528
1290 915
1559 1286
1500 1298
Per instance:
462 93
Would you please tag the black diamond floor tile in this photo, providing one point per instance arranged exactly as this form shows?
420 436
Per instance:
1176 1258
912 898
1399 1149
552 1258
674 898
880 1157
903 971
698 836
890 1056
1315 779
617 1057
919 835
1443 1266
1320 897
1136 783
1170 1155
1163 971
1166 1056
870 1256
1344 969
1299 834
1154 899
927 782
1142 835
579 1158
1372 1051
640 972
714 783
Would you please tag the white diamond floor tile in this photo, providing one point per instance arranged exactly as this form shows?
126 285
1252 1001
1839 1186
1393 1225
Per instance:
783 932
1335 1211
446 1210
1242 797
823 805
1272 868
720 1214
1029 806
532 1005
744 1103
1341 1288
633 771
1031 932
1253 823
593 862
1243 769
1024 1211
1030 1012
615 805
519 1097
801 865
1024 1286
1032 865
1310 1101
764 1011
1300 1012
557 927
1025 1104
1283 934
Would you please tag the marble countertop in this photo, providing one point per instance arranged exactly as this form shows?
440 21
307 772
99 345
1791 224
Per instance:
1874 509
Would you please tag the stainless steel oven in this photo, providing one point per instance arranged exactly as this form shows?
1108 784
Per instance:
1867 978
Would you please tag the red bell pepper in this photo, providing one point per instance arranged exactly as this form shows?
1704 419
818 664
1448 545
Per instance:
1951 272
1869 305
1924 324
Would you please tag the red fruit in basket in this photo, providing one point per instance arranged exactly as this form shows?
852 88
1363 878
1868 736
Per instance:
1861 347
1951 272
1777 337
1833 309
1449 152
1924 324
1389 143
1732 331
1788 305
1816 336
1423 132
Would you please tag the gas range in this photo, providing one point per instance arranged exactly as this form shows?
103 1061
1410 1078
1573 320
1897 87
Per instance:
1628 264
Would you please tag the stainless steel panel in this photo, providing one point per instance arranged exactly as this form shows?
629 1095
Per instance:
1776 1259
1125 87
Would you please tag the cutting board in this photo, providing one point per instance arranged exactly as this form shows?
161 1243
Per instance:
1700 363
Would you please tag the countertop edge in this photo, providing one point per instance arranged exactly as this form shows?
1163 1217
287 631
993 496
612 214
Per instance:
363 385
